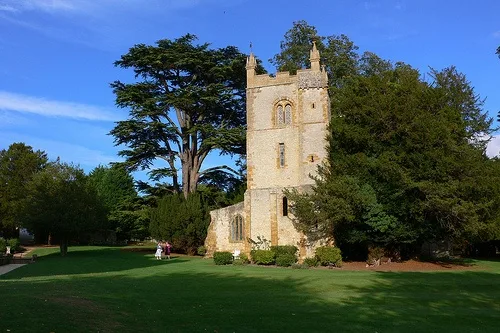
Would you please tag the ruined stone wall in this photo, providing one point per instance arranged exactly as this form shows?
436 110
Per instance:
219 230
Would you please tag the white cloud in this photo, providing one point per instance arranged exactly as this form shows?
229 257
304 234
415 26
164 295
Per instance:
493 148
48 6
7 8
28 104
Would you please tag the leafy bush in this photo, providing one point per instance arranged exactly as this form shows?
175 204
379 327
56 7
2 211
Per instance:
374 255
328 255
244 259
311 262
262 257
201 250
14 245
238 262
223 258
3 245
286 260
299 266
284 249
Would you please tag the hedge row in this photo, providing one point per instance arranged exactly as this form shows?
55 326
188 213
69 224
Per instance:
283 255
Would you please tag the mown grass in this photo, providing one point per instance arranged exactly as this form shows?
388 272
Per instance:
98 289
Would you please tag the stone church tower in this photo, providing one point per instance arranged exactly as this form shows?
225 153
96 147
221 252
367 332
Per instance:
287 119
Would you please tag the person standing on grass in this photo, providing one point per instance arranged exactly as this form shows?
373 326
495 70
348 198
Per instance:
168 248
158 251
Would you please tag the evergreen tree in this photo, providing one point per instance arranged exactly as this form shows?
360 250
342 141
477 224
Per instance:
18 164
189 102
60 203
406 162
115 188
183 222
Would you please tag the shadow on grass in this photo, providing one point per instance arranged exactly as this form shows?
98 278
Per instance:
90 260
200 297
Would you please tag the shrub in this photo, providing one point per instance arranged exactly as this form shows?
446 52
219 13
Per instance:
202 250
244 259
14 245
238 262
223 258
284 249
262 257
3 245
374 255
299 266
286 260
328 255
311 262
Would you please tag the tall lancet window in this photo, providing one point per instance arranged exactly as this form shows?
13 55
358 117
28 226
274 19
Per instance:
280 115
282 155
285 206
237 229
283 114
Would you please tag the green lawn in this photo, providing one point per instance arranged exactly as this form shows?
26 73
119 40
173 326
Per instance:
99 289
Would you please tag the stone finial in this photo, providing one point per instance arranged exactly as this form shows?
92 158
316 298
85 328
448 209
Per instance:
314 58
251 62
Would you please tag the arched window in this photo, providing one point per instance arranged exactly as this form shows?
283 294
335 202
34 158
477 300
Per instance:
283 113
237 229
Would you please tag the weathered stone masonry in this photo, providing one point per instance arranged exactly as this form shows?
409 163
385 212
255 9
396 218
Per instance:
287 118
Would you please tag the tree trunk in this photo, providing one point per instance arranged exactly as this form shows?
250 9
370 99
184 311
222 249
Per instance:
63 246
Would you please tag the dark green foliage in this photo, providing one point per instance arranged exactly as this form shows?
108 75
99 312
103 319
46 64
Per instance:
285 259
311 262
223 258
295 48
3 245
183 222
263 257
338 53
18 164
15 245
244 258
115 188
284 249
59 202
202 250
188 102
329 255
406 161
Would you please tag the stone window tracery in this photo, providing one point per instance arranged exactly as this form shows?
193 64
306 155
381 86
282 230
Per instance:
283 113
237 229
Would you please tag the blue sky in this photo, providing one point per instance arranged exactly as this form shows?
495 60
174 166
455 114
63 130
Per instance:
56 56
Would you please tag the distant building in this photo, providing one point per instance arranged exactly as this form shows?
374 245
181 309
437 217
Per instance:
287 119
